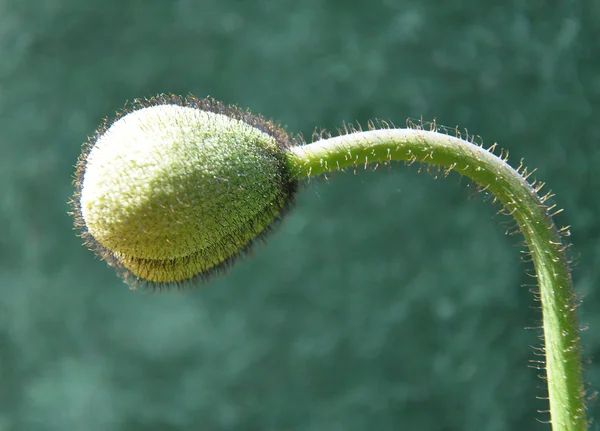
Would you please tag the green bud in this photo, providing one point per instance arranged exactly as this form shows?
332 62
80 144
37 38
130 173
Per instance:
175 189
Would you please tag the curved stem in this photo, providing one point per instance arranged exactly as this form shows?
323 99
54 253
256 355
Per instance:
561 331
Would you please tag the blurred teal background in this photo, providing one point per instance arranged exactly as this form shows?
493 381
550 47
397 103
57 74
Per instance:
387 300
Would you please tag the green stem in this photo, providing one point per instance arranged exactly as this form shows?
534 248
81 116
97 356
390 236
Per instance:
561 331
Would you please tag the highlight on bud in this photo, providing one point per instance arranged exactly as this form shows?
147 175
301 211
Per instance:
175 189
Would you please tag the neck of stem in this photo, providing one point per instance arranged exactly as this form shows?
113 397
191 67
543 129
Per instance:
520 199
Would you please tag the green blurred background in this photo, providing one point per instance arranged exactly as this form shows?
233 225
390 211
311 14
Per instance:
387 300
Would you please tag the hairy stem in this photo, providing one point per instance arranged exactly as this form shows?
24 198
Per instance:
561 330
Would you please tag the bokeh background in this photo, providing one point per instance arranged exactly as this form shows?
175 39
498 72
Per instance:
386 300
